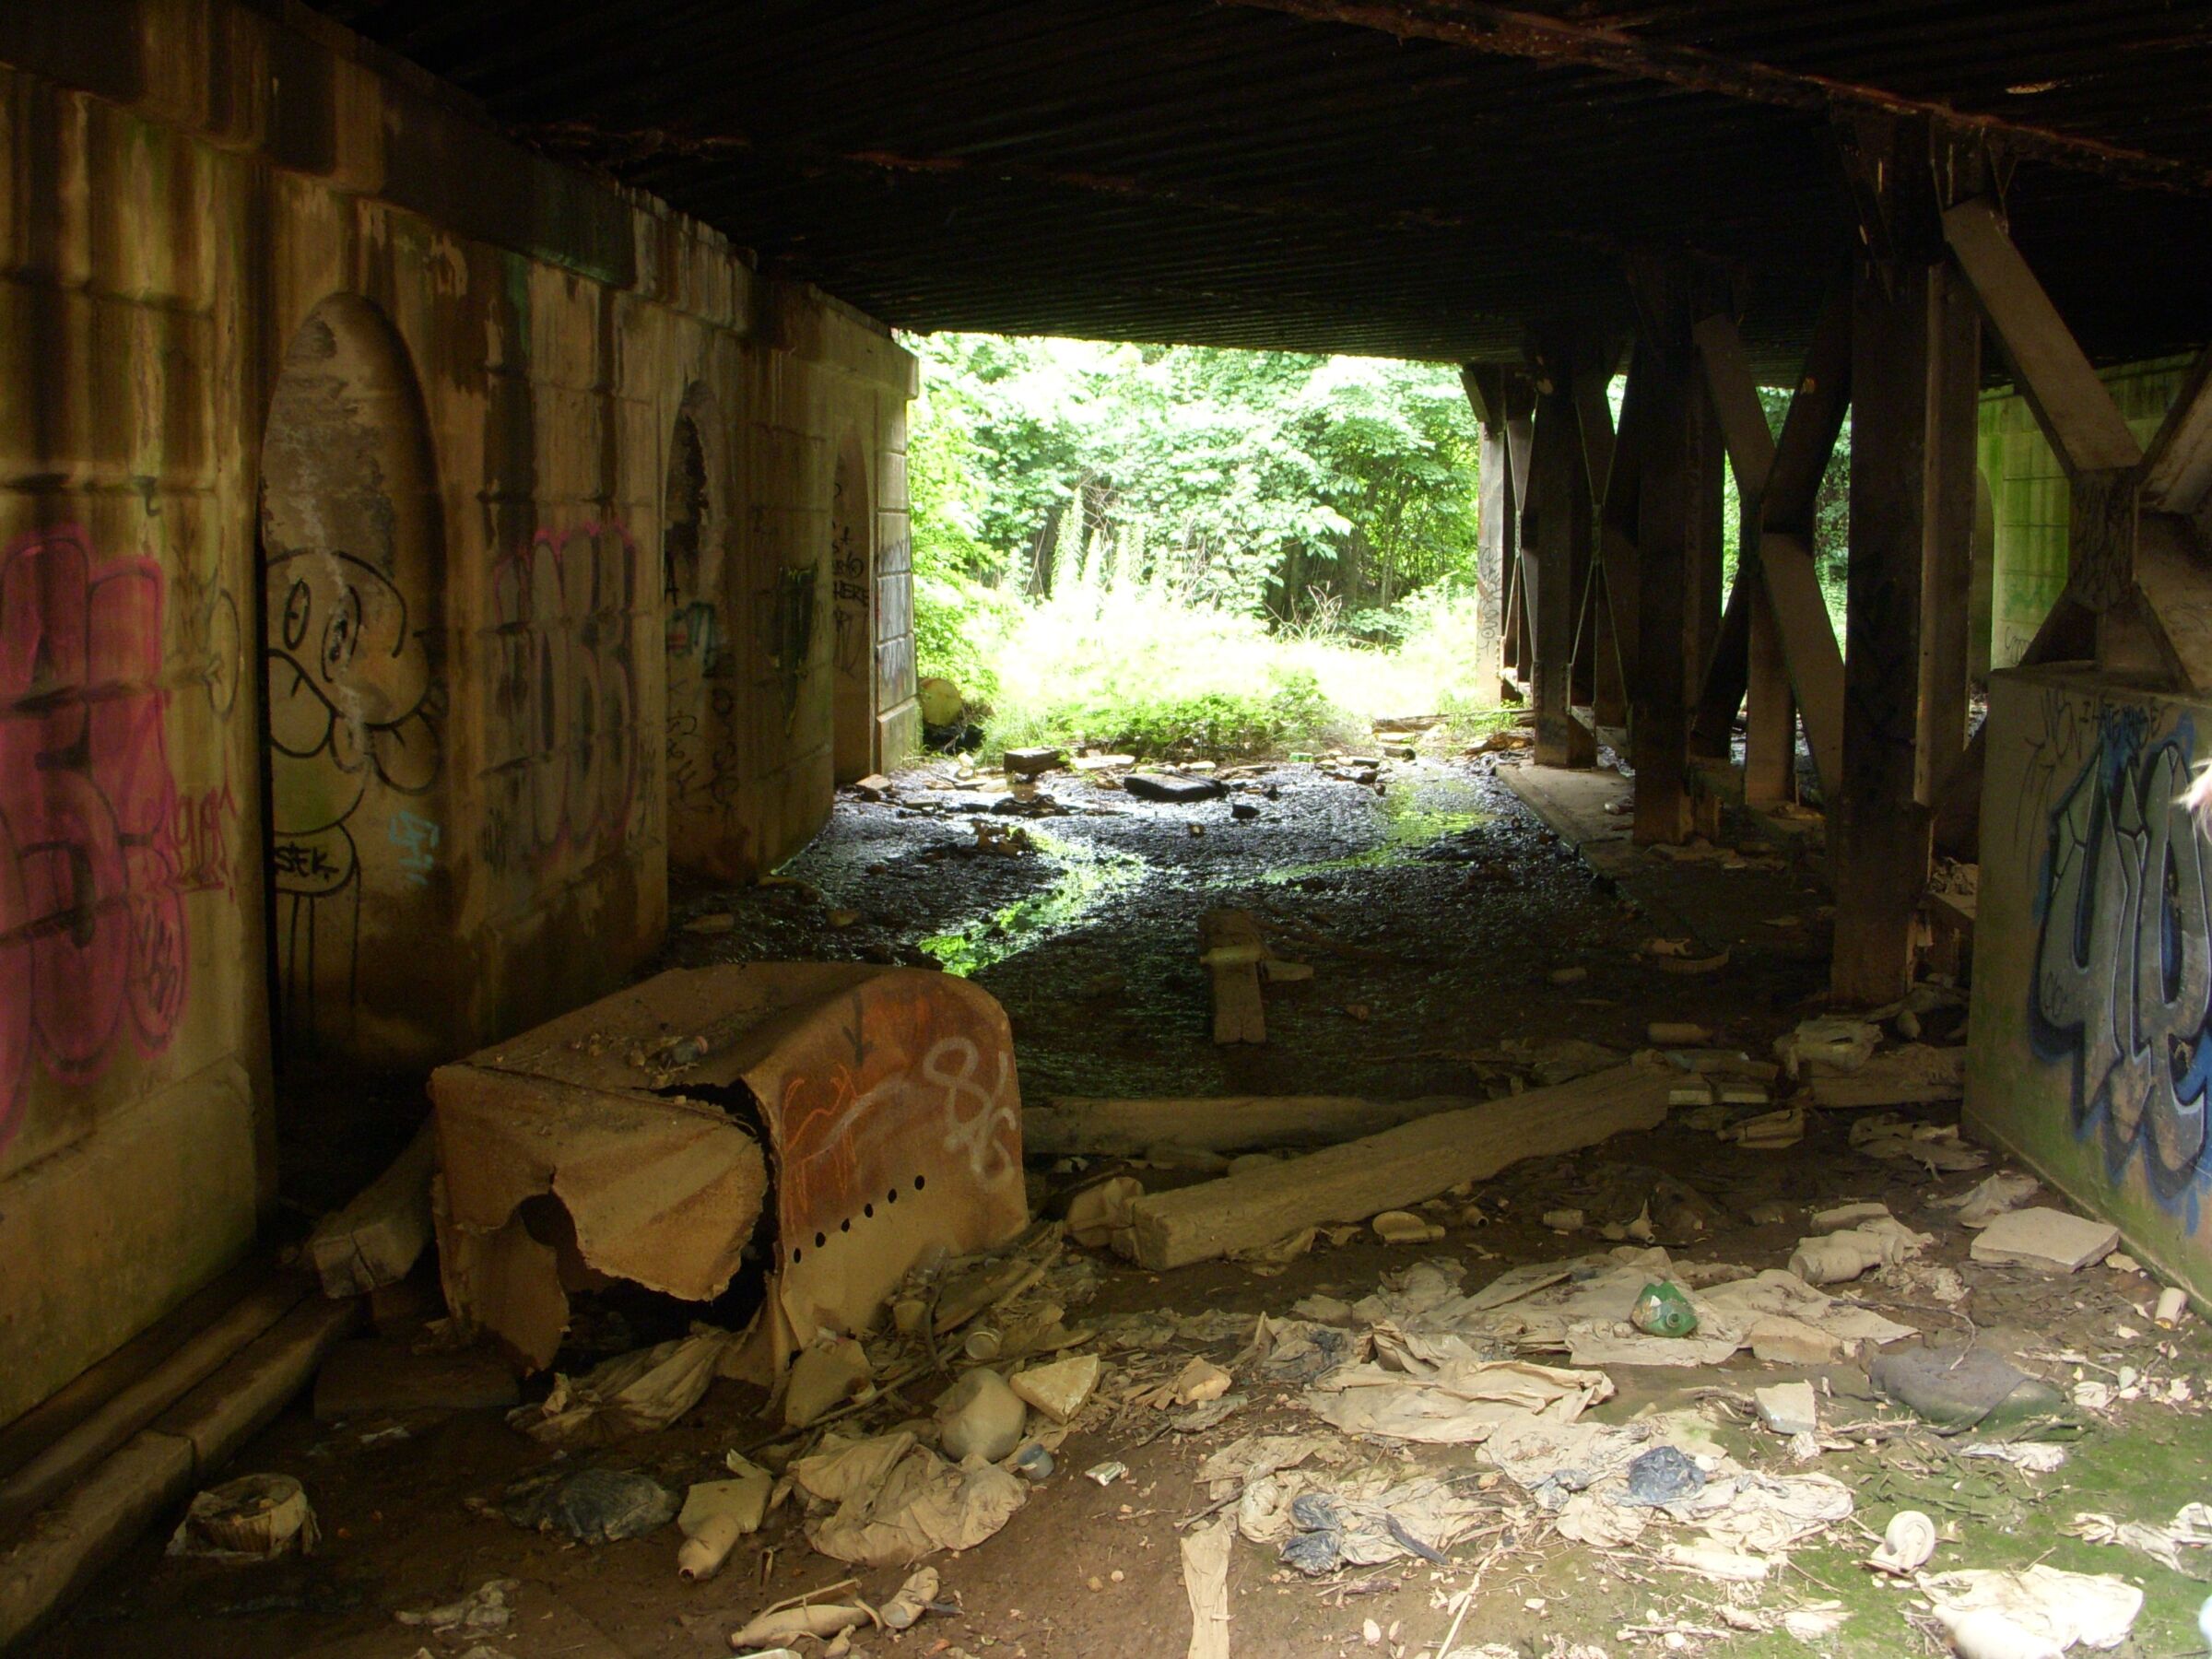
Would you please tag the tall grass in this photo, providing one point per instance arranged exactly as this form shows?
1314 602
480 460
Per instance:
1155 674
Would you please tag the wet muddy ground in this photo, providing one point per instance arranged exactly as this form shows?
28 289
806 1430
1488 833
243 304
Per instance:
1445 922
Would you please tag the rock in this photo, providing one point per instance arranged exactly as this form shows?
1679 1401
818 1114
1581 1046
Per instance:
1032 763
822 1378
1199 1382
1154 786
1097 1213
1789 1407
1243 810
1059 1389
372 1377
1780 1340
942 702
2049 1240
980 1415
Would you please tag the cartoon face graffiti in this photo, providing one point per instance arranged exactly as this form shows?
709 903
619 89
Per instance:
349 685
2124 961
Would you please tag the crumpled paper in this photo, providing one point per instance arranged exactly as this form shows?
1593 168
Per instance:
896 1500
633 1394
2038 1611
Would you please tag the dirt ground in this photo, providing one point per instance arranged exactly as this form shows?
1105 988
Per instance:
1445 925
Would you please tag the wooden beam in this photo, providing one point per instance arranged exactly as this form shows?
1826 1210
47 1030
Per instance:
1556 540
1818 406
1947 569
2076 411
1727 674
2177 473
1913 341
1399 1166
1735 404
1501 31
1808 646
1771 709
1678 553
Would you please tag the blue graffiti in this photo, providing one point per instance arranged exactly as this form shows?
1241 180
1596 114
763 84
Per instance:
2123 982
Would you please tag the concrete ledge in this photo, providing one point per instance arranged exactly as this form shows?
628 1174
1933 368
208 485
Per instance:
66 1544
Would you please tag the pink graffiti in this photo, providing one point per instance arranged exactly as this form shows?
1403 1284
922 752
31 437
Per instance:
92 941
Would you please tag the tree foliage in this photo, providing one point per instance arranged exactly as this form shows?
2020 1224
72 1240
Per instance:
1301 489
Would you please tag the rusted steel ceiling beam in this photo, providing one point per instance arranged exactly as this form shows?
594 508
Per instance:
1501 31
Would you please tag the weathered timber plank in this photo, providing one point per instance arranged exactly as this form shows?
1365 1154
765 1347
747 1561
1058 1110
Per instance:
1808 643
2177 474
1234 947
1397 1167
2076 413
1743 419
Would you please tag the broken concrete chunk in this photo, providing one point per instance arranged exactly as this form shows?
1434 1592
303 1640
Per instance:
1789 1407
2046 1239
1780 1340
1199 1382
980 1416
1060 1389
1098 1216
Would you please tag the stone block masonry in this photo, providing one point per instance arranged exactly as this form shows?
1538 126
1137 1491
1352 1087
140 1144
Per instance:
408 549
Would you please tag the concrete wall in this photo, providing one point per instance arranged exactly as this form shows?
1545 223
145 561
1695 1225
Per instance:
2092 1001
2031 500
358 682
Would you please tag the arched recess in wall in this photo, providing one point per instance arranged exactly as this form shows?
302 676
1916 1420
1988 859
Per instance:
853 616
354 690
703 750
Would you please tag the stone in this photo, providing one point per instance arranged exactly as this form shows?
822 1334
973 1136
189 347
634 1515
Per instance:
1780 1340
1032 763
1060 1389
2048 1239
1789 1407
980 1415
1154 786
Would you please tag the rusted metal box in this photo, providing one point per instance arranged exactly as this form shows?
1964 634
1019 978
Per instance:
863 1113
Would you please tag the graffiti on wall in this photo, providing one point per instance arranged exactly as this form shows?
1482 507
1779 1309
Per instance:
564 692
353 703
847 573
93 950
2122 979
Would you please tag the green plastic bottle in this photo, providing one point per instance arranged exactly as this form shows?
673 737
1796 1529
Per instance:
1662 1311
